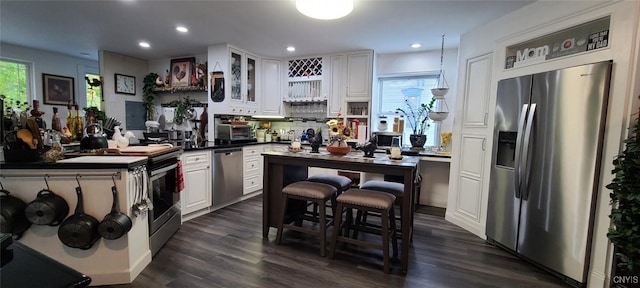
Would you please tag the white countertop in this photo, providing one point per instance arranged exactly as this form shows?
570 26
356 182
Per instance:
104 159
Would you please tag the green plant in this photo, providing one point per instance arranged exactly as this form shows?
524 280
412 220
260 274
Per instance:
418 117
149 95
99 115
625 199
182 106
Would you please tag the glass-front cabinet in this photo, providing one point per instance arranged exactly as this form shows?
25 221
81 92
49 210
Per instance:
240 89
236 75
243 77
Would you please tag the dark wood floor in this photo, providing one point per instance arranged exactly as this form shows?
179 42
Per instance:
226 249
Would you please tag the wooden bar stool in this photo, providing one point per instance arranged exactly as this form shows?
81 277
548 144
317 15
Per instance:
307 191
395 188
341 183
367 200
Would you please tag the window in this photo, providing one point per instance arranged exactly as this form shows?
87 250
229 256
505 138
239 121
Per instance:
94 93
15 82
392 97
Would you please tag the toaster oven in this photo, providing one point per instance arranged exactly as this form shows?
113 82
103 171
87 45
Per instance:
230 133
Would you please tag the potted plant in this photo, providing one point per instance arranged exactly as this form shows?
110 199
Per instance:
418 118
625 201
149 95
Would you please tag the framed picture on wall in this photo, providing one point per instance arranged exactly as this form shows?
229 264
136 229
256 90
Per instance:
181 70
57 90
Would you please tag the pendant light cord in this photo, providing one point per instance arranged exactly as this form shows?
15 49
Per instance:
441 65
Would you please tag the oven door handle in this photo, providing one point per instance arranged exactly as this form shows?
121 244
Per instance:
164 169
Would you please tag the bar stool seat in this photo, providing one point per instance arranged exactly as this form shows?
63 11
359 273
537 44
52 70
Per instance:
367 200
341 183
314 192
397 189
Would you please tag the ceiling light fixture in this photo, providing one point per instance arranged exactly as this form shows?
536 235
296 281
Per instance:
291 48
416 45
182 29
144 44
325 9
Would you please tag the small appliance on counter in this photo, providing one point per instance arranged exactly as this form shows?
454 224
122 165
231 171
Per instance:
231 134
385 139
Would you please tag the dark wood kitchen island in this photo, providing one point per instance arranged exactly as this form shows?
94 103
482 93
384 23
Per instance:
283 168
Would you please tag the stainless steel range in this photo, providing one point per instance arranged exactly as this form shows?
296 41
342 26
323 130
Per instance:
164 219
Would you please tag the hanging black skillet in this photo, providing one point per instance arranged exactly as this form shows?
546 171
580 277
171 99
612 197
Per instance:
12 218
79 230
47 209
115 224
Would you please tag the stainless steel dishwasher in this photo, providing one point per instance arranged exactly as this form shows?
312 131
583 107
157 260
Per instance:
227 175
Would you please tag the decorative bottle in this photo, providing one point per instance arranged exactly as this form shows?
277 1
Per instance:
78 123
70 122
56 125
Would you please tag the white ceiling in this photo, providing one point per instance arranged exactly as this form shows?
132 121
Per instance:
264 27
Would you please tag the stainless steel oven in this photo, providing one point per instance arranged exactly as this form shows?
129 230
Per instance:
165 218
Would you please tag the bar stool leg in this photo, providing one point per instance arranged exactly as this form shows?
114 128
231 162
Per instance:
285 200
394 239
323 227
337 221
385 239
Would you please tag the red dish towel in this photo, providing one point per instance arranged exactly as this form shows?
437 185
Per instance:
180 180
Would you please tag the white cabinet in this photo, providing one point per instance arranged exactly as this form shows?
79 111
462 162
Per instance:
271 95
252 168
359 76
196 196
241 80
468 189
336 84
350 81
476 92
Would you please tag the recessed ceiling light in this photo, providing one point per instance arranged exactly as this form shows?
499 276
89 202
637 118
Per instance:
416 45
144 44
182 29
291 48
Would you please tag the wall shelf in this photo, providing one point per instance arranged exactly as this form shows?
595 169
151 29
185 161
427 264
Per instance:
180 89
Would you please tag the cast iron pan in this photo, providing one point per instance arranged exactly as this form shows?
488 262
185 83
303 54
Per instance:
47 209
115 224
12 218
79 230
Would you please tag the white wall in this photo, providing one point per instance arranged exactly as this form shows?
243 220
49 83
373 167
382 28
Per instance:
390 64
110 64
545 17
52 63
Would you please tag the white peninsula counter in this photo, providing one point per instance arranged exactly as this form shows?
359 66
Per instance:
116 261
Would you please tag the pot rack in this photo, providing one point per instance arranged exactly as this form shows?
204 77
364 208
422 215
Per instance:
114 175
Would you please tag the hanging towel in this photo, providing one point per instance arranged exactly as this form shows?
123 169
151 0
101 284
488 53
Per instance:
180 180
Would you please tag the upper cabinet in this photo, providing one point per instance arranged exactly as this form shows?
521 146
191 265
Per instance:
359 75
350 81
241 80
476 92
271 87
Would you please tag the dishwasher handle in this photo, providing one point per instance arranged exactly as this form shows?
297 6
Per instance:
227 151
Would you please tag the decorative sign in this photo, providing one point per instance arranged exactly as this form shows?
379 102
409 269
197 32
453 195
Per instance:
578 39
598 40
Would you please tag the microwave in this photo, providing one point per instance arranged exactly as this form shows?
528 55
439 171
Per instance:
384 139
228 132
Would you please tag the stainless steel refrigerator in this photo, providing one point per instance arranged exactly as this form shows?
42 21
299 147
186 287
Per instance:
548 137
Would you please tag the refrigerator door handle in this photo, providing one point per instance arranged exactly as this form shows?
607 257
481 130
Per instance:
525 151
521 123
